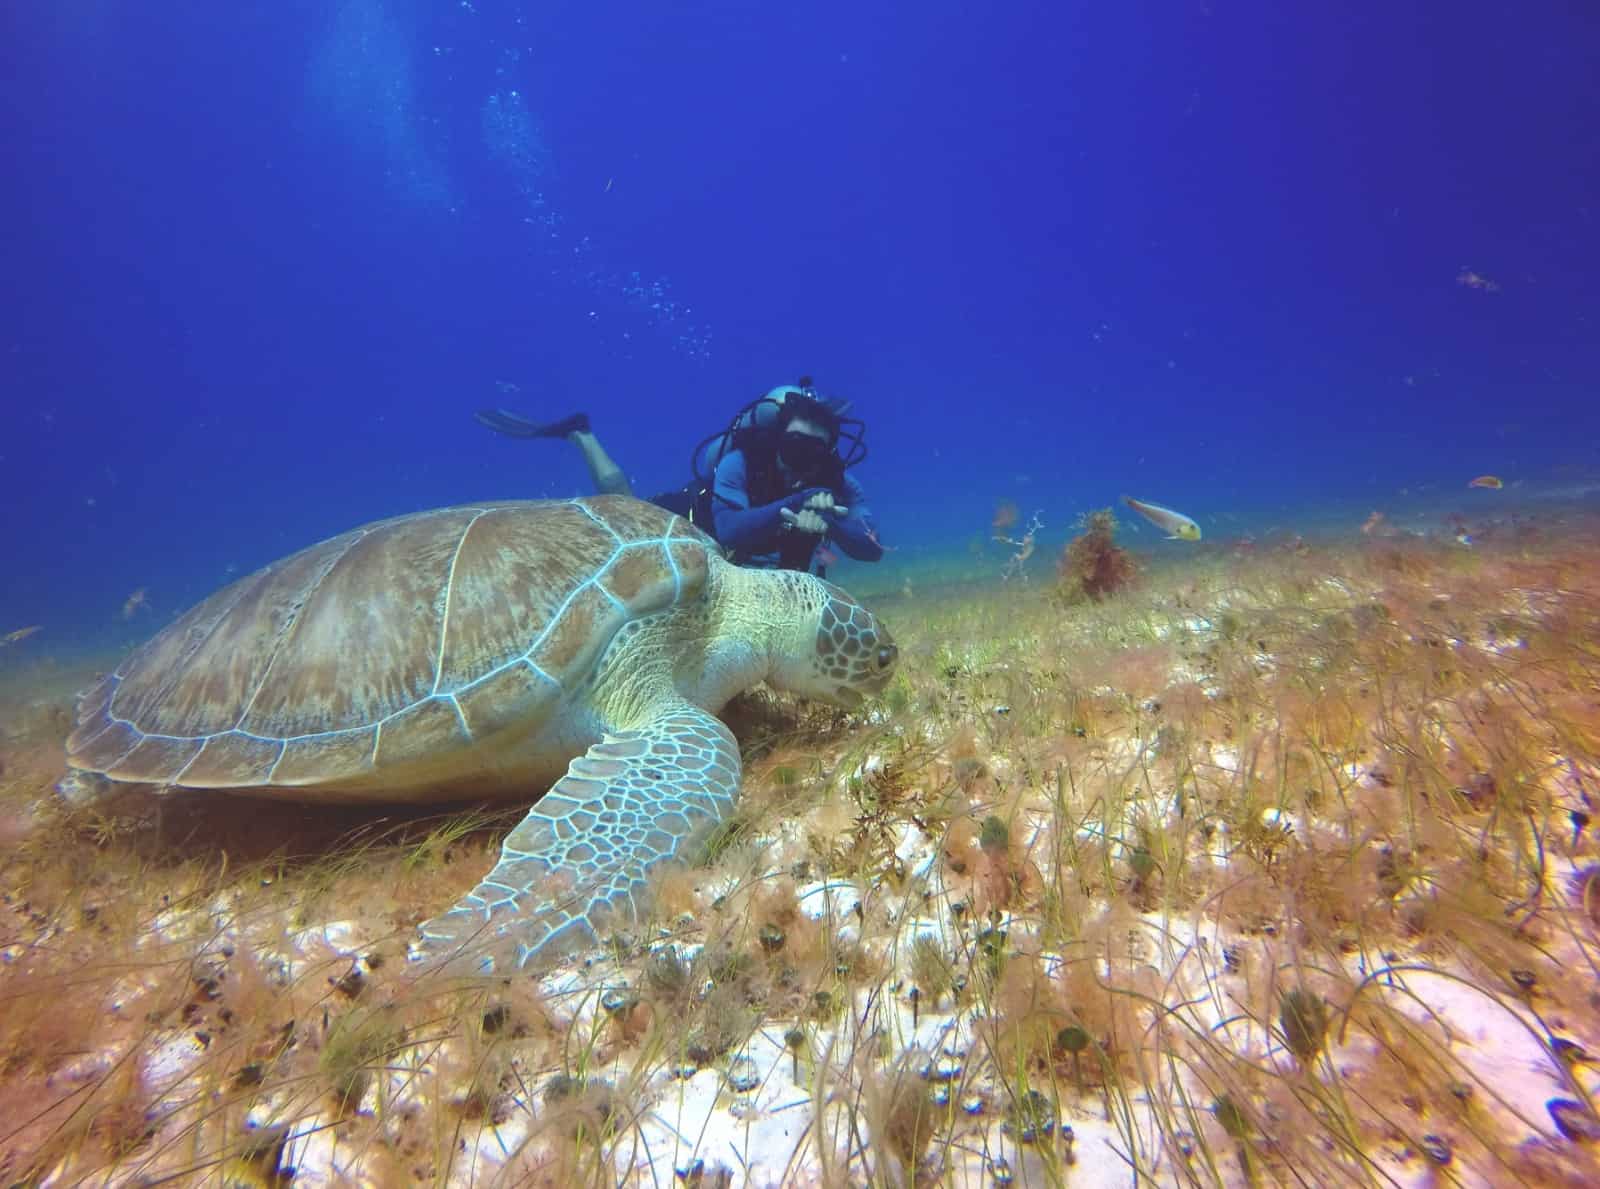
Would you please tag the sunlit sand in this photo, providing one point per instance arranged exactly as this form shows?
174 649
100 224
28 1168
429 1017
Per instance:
1273 867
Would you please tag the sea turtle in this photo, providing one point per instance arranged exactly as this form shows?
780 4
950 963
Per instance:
478 652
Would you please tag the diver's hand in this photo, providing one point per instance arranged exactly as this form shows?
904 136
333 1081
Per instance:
816 499
806 520
821 501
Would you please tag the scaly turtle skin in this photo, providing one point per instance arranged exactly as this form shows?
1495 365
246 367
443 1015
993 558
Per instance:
486 651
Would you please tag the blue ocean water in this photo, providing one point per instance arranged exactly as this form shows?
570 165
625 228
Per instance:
1274 265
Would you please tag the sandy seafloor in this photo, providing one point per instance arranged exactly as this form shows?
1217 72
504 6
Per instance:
773 1110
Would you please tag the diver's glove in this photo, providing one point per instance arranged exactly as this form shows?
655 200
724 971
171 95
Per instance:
809 511
822 501
817 499
806 520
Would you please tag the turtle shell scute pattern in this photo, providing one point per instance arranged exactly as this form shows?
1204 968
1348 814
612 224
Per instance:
393 644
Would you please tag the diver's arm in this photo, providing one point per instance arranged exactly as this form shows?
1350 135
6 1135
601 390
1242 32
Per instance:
854 532
739 526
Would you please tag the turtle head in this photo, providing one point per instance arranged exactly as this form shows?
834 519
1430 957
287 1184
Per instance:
834 650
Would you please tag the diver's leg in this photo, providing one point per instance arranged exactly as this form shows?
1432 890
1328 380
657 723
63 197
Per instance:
607 475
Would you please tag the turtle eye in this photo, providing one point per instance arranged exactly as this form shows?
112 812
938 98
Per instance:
887 655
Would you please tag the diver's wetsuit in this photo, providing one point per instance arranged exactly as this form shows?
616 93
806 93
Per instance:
747 515
743 505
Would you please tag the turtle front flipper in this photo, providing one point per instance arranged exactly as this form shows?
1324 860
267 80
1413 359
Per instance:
584 851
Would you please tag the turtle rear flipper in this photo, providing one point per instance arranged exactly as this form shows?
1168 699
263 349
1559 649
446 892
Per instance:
584 852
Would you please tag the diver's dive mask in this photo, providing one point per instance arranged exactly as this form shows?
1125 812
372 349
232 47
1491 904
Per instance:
803 452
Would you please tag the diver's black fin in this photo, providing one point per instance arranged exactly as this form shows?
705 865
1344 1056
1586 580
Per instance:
513 426
577 423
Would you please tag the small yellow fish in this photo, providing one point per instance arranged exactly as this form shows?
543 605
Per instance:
19 635
1490 481
138 599
1176 525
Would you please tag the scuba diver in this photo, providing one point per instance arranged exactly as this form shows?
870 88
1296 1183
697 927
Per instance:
771 487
